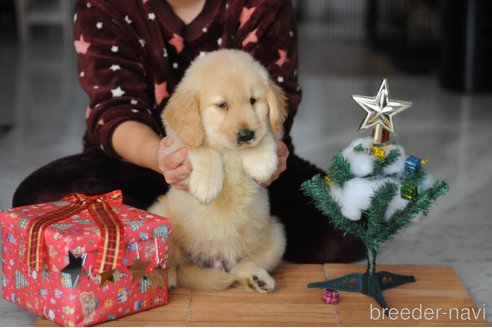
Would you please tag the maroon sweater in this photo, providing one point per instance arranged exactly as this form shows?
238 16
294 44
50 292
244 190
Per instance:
132 53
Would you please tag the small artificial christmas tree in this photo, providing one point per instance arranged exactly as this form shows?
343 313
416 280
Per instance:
371 190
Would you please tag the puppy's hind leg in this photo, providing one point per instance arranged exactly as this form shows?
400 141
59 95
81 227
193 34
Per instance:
269 252
192 276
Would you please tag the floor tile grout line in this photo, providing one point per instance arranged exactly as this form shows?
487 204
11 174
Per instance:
189 308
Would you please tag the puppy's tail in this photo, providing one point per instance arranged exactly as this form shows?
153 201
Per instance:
192 276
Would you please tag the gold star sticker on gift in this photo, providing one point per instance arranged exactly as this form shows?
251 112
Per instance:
106 276
138 269
158 278
380 111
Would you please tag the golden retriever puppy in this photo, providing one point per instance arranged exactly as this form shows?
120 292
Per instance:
228 112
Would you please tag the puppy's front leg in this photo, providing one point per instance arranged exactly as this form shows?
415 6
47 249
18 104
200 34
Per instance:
207 176
261 161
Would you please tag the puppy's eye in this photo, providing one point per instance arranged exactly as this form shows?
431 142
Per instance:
222 105
252 101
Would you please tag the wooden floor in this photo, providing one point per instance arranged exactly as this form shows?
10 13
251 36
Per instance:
292 304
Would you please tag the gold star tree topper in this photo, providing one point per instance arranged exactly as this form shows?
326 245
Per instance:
380 111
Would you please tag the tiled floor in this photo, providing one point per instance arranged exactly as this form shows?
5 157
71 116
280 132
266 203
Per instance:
39 94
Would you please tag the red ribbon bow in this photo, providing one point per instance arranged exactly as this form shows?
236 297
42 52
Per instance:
112 240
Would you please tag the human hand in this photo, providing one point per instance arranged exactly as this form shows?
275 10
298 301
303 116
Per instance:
174 165
283 153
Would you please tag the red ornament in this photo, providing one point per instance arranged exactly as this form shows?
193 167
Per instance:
385 137
330 296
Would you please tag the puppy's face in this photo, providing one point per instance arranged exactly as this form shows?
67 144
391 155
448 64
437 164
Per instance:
225 99
235 111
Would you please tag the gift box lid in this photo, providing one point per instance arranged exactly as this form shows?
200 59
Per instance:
79 233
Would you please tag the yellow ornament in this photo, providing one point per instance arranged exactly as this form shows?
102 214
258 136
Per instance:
328 181
378 152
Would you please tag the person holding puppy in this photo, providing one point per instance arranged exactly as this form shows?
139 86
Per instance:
131 55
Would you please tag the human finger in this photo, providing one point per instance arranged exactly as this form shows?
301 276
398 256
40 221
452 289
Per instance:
176 176
175 159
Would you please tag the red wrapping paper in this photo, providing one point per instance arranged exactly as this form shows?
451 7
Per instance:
79 299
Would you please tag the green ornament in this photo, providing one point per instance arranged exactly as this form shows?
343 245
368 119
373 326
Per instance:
408 191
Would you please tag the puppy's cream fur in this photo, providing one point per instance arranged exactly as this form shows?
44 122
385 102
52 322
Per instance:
223 233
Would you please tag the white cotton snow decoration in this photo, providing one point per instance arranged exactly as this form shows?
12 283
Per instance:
399 165
337 194
396 203
355 196
361 163
427 183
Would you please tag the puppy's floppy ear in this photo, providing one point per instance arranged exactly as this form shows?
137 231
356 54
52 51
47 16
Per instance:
277 104
182 116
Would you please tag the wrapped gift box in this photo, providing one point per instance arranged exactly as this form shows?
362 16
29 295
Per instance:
84 260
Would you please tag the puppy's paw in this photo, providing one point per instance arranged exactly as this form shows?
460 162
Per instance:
261 283
205 188
251 277
207 177
260 165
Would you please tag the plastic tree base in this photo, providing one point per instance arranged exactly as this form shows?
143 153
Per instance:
367 284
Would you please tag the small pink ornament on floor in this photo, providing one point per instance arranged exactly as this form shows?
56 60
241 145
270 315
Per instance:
330 296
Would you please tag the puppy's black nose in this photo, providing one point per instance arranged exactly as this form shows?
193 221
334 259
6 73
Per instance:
245 135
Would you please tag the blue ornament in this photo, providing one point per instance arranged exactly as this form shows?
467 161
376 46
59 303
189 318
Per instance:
412 164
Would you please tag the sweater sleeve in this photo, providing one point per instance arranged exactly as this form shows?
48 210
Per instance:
268 32
111 72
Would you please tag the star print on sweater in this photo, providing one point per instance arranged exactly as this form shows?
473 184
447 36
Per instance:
118 92
132 54
160 92
245 15
282 58
81 46
177 42
252 37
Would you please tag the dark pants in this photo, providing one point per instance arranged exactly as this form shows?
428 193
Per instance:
310 237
